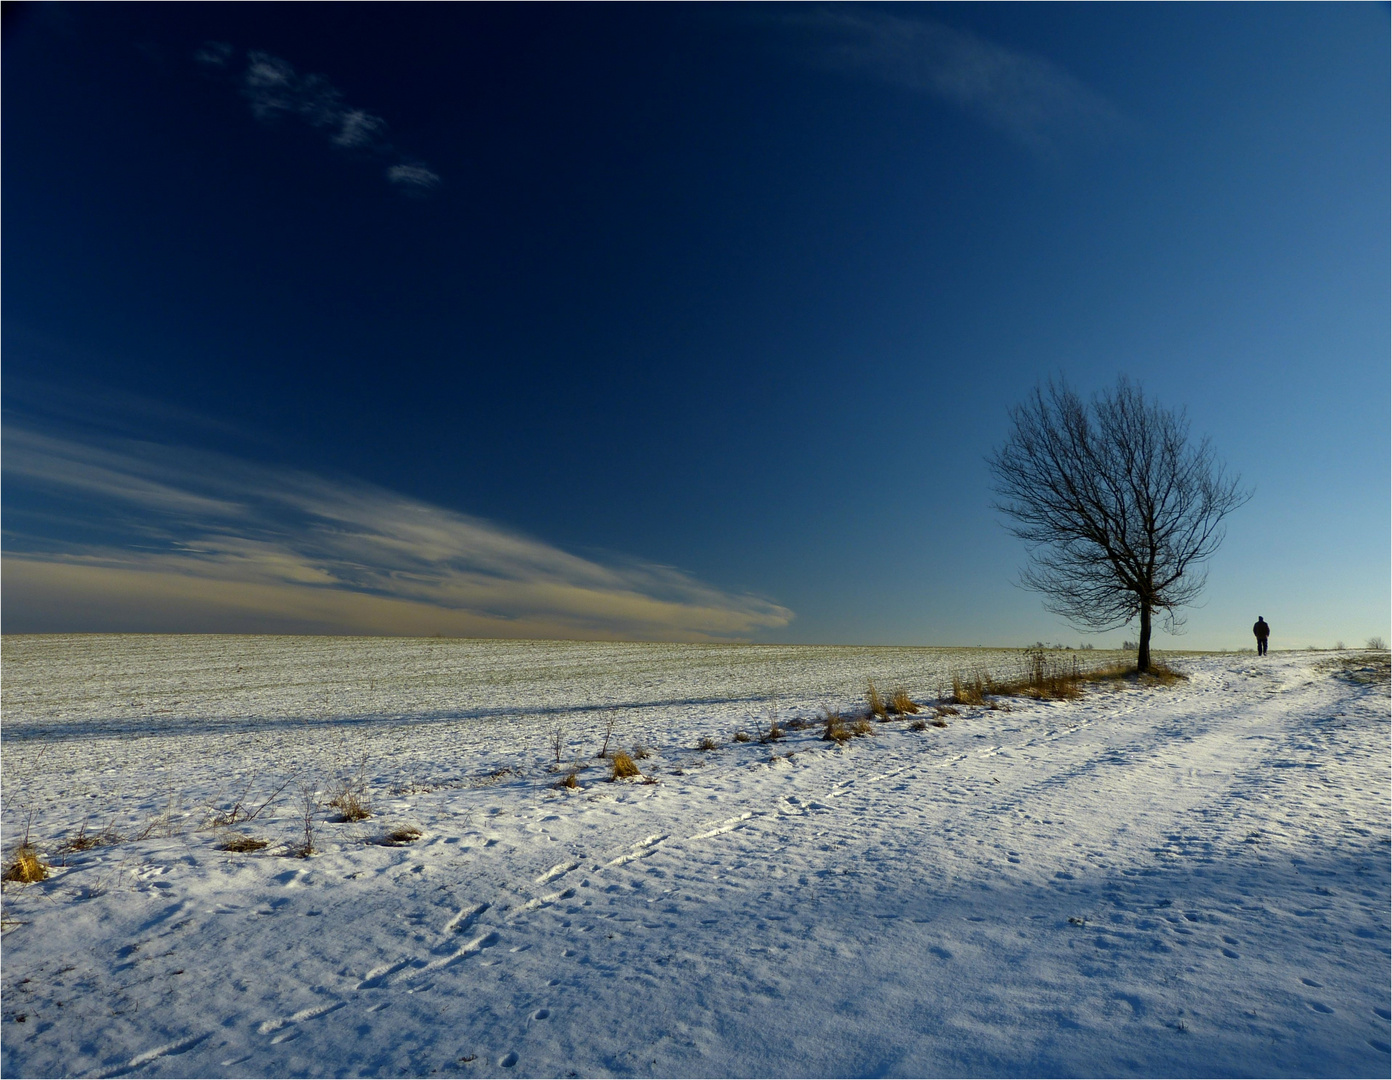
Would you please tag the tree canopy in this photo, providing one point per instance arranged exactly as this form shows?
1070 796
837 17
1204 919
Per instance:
1120 511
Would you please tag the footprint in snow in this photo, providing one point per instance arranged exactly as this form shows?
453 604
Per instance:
508 1060
311 1013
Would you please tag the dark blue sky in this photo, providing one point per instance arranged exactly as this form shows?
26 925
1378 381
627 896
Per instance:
673 321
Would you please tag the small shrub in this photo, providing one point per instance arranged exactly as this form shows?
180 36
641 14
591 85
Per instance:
1376 644
835 729
741 736
641 753
918 725
241 809
708 744
876 703
610 722
938 721
773 734
570 781
309 805
946 710
901 703
26 866
168 822
236 842
622 767
862 727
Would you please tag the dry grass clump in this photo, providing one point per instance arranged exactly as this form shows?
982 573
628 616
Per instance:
970 689
26 866
349 796
570 780
918 725
403 834
241 844
622 767
708 744
835 729
1161 672
85 841
741 736
901 704
641 753
1048 679
772 734
351 806
862 726
875 701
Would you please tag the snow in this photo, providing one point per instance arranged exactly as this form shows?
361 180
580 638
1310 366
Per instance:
1189 880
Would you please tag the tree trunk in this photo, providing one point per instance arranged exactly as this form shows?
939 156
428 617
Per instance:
1143 654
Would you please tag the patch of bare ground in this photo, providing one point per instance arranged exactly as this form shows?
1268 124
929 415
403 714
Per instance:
1365 666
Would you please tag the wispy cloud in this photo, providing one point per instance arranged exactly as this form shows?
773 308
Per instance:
415 177
274 89
1031 99
176 539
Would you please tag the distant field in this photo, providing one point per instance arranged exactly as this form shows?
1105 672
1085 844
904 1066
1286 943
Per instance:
97 711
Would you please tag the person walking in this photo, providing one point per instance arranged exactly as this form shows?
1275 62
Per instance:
1263 632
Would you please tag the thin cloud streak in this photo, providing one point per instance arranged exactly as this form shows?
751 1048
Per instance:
1028 97
273 88
191 540
414 177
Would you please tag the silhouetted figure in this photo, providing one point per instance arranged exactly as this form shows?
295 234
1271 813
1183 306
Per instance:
1263 632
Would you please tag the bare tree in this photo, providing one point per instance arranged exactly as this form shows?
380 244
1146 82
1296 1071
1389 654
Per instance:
1119 510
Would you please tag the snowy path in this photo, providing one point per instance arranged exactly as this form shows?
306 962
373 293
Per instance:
1184 881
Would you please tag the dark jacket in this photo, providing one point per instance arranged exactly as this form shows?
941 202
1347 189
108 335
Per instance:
1261 630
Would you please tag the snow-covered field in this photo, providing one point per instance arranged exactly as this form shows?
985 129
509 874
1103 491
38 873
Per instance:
1191 880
